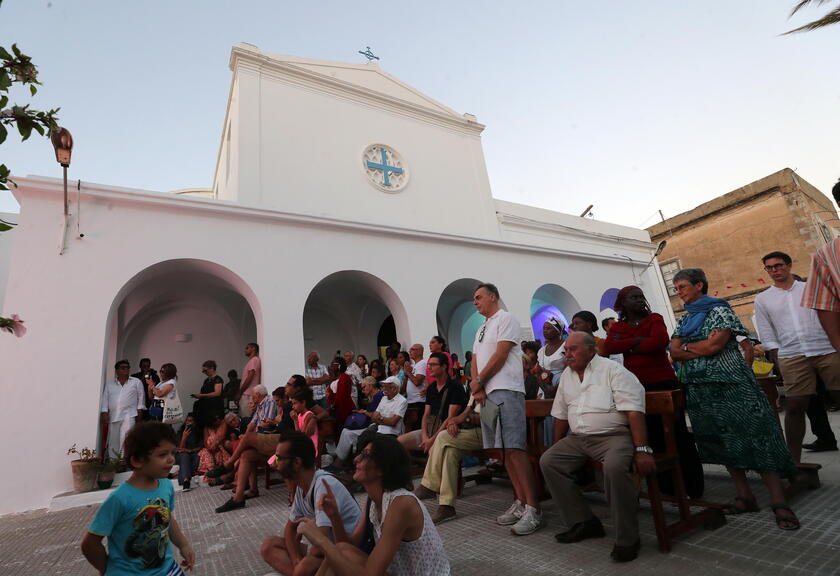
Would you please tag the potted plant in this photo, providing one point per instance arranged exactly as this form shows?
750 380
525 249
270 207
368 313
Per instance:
85 468
107 470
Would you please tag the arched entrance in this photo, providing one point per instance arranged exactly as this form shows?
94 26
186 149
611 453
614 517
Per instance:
551 300
183 311
457 319
351 310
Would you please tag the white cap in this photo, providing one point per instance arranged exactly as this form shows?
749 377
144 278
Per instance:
395 380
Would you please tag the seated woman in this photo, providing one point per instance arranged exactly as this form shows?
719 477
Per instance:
387 417
189 445
406 541
303 417
213 453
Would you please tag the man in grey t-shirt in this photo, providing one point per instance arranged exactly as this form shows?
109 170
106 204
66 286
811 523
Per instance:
295 460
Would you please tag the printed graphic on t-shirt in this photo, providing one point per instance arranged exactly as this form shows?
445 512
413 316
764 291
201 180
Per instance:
150 539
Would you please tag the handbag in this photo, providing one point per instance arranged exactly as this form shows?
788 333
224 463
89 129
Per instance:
172 411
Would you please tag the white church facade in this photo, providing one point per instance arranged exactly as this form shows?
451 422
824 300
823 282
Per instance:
347 207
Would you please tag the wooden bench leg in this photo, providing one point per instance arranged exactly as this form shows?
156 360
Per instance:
659 522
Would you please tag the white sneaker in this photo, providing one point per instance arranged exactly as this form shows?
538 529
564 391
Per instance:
530 522
513 514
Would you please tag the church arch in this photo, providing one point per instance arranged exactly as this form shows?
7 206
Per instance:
457 319
183 311
348 310
551 300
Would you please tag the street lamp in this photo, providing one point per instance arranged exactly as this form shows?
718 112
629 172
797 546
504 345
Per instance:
62 141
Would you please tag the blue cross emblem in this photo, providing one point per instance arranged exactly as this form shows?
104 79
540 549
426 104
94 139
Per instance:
385 167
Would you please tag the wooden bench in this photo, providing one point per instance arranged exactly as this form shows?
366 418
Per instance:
536 412
667 404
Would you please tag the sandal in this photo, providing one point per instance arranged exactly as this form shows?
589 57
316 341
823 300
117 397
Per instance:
785 522
747 505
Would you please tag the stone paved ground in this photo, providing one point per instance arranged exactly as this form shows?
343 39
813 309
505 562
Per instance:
39 543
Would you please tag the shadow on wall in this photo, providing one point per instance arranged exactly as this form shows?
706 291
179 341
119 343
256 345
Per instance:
183 311
347 310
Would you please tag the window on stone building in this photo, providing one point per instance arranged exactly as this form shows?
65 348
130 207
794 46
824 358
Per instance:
668 270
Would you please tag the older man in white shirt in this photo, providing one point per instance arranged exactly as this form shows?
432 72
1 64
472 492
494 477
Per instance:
123 400
603 405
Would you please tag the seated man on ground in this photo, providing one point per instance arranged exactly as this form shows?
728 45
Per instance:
388 419
440 478
252 446
445 398
295 460
606 416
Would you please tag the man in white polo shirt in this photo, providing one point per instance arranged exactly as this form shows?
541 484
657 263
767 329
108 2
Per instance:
498 384
793 336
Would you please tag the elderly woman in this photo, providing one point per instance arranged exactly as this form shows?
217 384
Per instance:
642 337
406 541
733 422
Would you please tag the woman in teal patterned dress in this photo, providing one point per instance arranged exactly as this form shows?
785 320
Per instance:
731 418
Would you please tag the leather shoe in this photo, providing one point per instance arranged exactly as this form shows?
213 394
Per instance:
820 447
626 553
230 505
592 528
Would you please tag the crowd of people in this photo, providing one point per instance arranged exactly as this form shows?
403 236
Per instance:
386 408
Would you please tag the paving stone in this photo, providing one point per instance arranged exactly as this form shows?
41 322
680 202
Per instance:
38 543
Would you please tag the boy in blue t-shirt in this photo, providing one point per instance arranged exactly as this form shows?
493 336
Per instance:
138 518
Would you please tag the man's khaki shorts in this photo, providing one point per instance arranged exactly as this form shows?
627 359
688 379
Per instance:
267 443
800 373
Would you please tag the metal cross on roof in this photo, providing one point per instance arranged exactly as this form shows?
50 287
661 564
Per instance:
369 54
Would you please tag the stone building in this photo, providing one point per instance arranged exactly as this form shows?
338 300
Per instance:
728 236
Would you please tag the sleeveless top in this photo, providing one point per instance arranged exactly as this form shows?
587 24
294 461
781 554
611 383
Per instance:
301 425
422 557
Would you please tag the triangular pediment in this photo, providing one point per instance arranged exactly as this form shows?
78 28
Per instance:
367 76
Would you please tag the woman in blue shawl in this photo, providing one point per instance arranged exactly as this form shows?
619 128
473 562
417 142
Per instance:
731 418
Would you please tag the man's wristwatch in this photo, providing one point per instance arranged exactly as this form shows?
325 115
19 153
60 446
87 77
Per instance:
644 449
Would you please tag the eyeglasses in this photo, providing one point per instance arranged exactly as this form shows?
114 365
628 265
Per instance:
365 455
481 334
773 267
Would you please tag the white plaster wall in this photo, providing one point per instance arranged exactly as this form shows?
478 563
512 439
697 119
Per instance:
7 240
300 150
69 300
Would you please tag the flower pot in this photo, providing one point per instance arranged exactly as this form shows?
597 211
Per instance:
84 475
105 479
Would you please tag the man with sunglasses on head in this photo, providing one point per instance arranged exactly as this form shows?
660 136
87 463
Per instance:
498 385
793 338
294 458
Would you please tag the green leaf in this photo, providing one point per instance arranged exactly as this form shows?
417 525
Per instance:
24 126
33 89
4 55
5 80
4 227
3 101
3 133
16 51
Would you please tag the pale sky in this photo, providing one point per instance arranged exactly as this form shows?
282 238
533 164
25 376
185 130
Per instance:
630 106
